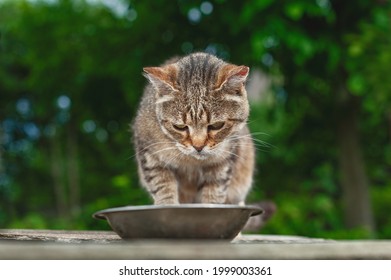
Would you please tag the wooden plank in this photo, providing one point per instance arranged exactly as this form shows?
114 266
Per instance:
27 244
194 250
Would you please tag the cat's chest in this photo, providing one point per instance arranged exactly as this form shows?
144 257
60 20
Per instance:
190 176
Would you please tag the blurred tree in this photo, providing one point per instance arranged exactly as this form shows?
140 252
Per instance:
52 54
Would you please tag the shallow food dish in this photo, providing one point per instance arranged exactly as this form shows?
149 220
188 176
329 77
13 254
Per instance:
183 221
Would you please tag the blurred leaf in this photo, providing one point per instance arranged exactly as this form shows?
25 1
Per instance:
294 10
121 181
356 84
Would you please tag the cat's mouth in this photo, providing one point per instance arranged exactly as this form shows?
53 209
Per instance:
200 156
190 151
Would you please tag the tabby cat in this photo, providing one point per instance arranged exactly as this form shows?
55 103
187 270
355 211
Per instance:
190 133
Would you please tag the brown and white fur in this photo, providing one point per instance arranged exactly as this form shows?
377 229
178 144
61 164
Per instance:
190 133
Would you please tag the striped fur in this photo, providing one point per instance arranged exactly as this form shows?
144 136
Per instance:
190 134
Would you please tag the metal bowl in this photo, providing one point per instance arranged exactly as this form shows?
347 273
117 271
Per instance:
183 221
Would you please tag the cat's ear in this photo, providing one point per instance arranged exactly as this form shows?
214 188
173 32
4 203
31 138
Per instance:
162 76
232 75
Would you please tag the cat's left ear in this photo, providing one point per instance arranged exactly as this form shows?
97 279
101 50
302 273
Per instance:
232 75
162 76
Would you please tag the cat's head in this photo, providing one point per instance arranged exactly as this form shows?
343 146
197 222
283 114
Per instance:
201 102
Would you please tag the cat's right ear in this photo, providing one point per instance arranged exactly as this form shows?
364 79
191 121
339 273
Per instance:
162 77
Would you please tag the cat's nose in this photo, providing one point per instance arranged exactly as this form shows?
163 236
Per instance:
198 148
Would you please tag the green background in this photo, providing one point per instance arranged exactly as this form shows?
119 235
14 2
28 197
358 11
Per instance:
70 82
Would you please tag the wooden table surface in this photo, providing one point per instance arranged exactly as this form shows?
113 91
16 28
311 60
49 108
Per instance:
57 244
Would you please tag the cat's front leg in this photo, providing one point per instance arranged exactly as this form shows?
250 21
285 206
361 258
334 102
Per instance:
163 187
159 181
215 188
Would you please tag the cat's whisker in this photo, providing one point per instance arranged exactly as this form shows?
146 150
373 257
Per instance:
250 136
172 158
263 143
226 152
259 145
236 155
255 140
157 143
257 148
149 146
254 134
259 133
162 150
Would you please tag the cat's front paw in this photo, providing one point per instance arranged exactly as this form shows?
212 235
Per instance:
166 201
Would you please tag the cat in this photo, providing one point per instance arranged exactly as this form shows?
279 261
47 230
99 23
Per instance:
190 133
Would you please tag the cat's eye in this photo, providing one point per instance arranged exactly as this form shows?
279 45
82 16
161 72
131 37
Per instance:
216 126
180 127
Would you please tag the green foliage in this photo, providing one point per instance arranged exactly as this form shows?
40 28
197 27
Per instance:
70 81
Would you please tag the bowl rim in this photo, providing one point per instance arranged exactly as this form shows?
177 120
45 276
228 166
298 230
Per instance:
130 208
